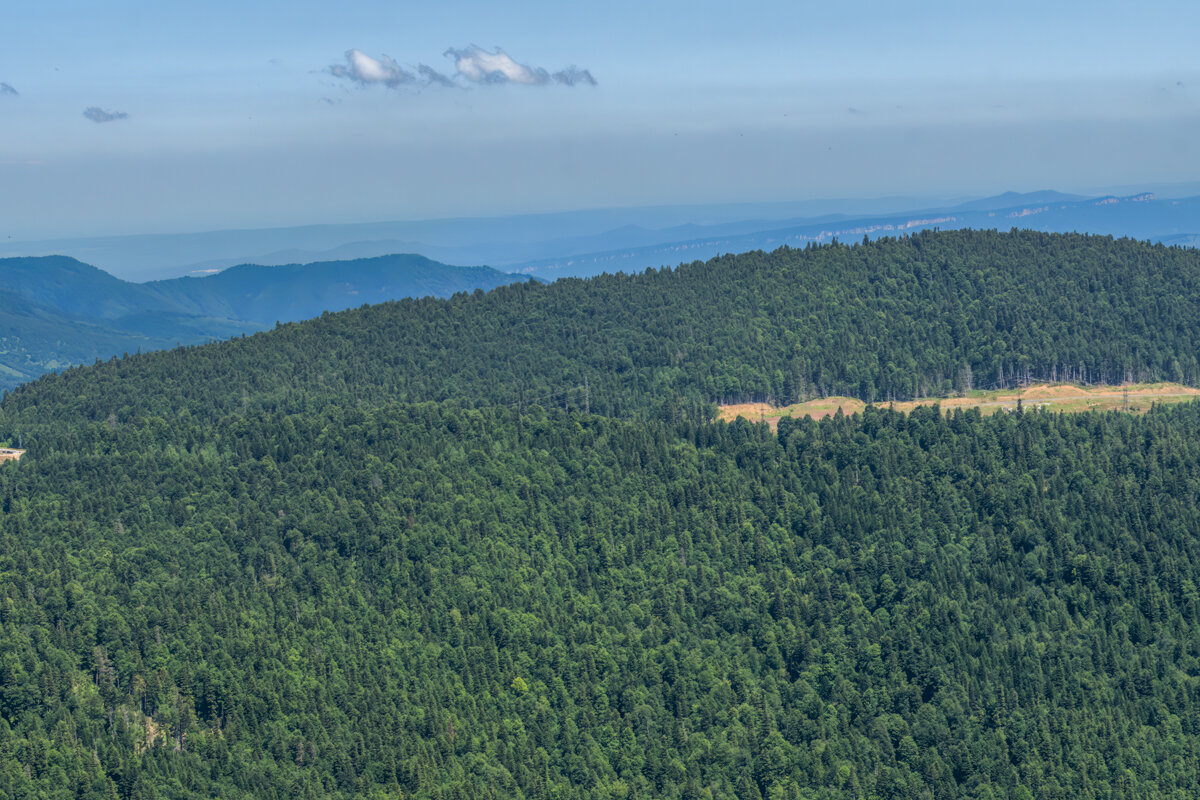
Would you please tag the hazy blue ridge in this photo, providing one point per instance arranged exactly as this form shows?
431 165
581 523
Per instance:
56 311
587 242
473 240
297 291
1143 217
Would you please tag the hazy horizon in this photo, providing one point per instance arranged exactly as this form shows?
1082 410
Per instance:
145 118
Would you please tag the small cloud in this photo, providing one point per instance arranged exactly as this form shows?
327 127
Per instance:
6 89
481 66
98 114
364 70
478 65
432 76
573 75
852 110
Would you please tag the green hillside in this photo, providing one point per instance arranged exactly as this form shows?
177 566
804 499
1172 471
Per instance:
465 604
34 339
339 559
894 319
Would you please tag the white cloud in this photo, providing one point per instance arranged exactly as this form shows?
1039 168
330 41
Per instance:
363 69
478 65
472 64
484 67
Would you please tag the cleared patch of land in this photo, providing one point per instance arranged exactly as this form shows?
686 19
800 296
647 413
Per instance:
1136 398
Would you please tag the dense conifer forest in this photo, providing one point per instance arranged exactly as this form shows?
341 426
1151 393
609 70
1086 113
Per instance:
493 546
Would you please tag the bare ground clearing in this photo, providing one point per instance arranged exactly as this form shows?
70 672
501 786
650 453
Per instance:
1068 398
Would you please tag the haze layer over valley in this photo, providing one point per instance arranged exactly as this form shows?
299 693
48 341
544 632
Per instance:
578 243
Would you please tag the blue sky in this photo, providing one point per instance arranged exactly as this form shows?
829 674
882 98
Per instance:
128 117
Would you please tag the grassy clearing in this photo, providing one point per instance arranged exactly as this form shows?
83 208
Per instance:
1136 398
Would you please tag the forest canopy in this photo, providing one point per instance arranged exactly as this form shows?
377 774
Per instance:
341 559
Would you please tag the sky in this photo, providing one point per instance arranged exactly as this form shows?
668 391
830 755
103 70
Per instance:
150 117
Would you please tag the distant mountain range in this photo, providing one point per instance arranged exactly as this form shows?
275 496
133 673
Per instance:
1141 216
581 243
496 241
56 311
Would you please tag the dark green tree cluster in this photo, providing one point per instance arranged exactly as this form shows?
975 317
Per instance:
430 601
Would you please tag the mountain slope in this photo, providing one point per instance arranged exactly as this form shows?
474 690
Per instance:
432 602
896 318
482 240
34 339
74 289
634 248
299 291
61 312
252 570
590 242
1139 216
1010 200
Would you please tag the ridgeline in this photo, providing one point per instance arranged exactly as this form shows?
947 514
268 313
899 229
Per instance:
893 319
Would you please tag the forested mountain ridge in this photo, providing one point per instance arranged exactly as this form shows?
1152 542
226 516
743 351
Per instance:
68 286
61 312
891 319
34 339
260 569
